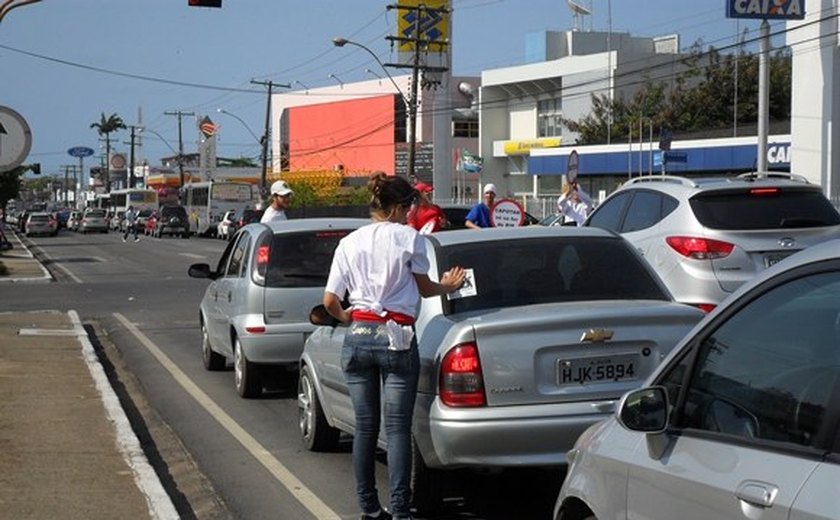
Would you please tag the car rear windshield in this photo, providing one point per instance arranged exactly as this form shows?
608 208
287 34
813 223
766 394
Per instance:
302 259
764 208
96 213
549 270
173 211
39 218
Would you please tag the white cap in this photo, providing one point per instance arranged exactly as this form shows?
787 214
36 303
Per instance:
489 187
281 188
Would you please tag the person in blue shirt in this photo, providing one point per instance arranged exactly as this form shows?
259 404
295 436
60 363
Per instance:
479 215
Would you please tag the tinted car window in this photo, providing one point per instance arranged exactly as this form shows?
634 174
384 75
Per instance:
96 213
758 209
645 211
608 215
522 272
237 257
770 370
39 218
173 211
302 259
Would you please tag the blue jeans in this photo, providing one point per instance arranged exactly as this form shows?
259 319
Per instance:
372 371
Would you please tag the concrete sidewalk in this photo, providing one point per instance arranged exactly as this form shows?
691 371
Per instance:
19 264
67 449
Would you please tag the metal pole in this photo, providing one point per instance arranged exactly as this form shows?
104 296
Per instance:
80 186
180 114
763 96
412 107
650 147
131 179
737 59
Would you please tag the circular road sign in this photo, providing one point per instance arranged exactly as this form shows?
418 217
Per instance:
15 139
507 213
572 167
80 151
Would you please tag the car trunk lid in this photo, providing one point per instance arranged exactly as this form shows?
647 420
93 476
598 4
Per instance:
567 352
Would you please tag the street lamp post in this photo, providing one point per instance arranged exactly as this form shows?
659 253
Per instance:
231 114
410 102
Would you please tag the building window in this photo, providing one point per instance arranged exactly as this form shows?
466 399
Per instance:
549 117
465 129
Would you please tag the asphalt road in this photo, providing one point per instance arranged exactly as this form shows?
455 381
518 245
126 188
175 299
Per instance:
220 456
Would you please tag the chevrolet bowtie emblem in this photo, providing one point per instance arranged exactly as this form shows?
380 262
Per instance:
596 335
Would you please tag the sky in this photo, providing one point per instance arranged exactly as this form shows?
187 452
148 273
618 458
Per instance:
65 62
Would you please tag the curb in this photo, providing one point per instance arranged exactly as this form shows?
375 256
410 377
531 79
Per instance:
159 503
24 255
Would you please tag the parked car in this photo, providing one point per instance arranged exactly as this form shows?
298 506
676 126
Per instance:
41 223
555 325
171 220
73 220
242 218
255 310
224 226
142 216
115 221
739 422
149 226
61 217
94 219
706 237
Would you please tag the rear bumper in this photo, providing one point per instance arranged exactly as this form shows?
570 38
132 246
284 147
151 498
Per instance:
278 345
516 436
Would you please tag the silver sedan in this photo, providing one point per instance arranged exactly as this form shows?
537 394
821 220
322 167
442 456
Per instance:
553 326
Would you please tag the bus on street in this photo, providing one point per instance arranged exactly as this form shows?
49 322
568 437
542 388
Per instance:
207 202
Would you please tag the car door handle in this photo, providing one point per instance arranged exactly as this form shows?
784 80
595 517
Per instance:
757 493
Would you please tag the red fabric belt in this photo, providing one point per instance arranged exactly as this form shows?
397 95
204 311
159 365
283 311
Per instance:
402 319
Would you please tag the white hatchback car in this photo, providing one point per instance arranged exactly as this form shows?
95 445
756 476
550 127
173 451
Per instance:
741 421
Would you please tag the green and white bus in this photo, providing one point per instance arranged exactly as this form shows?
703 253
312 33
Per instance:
207 202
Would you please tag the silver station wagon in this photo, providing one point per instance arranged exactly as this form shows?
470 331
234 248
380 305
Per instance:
256 309
553 325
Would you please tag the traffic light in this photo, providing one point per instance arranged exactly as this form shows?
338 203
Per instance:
205 3
35 168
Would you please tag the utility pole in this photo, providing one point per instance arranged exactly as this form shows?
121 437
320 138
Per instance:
131 178
418 43
264 141
180 115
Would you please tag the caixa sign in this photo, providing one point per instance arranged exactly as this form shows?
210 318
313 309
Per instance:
766 9
778 154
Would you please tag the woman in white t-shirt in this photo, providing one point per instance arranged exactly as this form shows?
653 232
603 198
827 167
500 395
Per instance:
383 266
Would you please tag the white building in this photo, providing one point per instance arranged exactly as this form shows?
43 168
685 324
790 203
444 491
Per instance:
522 106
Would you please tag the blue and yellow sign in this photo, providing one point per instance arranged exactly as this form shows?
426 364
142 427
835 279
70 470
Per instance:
432 22
766 9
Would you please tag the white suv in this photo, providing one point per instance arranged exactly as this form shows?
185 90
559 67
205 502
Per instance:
706 237
739 422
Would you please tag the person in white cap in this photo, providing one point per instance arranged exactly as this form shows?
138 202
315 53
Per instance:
281 197
479 215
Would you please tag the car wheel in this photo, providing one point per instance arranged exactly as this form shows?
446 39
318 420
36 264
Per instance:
428 485
212 360
246 374
316 432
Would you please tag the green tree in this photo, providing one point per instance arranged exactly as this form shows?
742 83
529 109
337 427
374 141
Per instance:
106 126
699 99
10 184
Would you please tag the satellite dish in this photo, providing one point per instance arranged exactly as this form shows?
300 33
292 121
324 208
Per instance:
578 11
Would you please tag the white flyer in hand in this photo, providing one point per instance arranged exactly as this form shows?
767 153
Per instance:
468 289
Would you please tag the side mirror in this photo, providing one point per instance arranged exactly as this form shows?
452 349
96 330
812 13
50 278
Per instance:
201 271
644 410
319 316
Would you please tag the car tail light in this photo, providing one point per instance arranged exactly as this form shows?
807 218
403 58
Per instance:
705 307
461 380
764 191
260 329
700 248
262 256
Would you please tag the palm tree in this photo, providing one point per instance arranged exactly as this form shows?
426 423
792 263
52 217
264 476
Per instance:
105 126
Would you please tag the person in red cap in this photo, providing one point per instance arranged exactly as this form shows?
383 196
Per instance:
426 217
